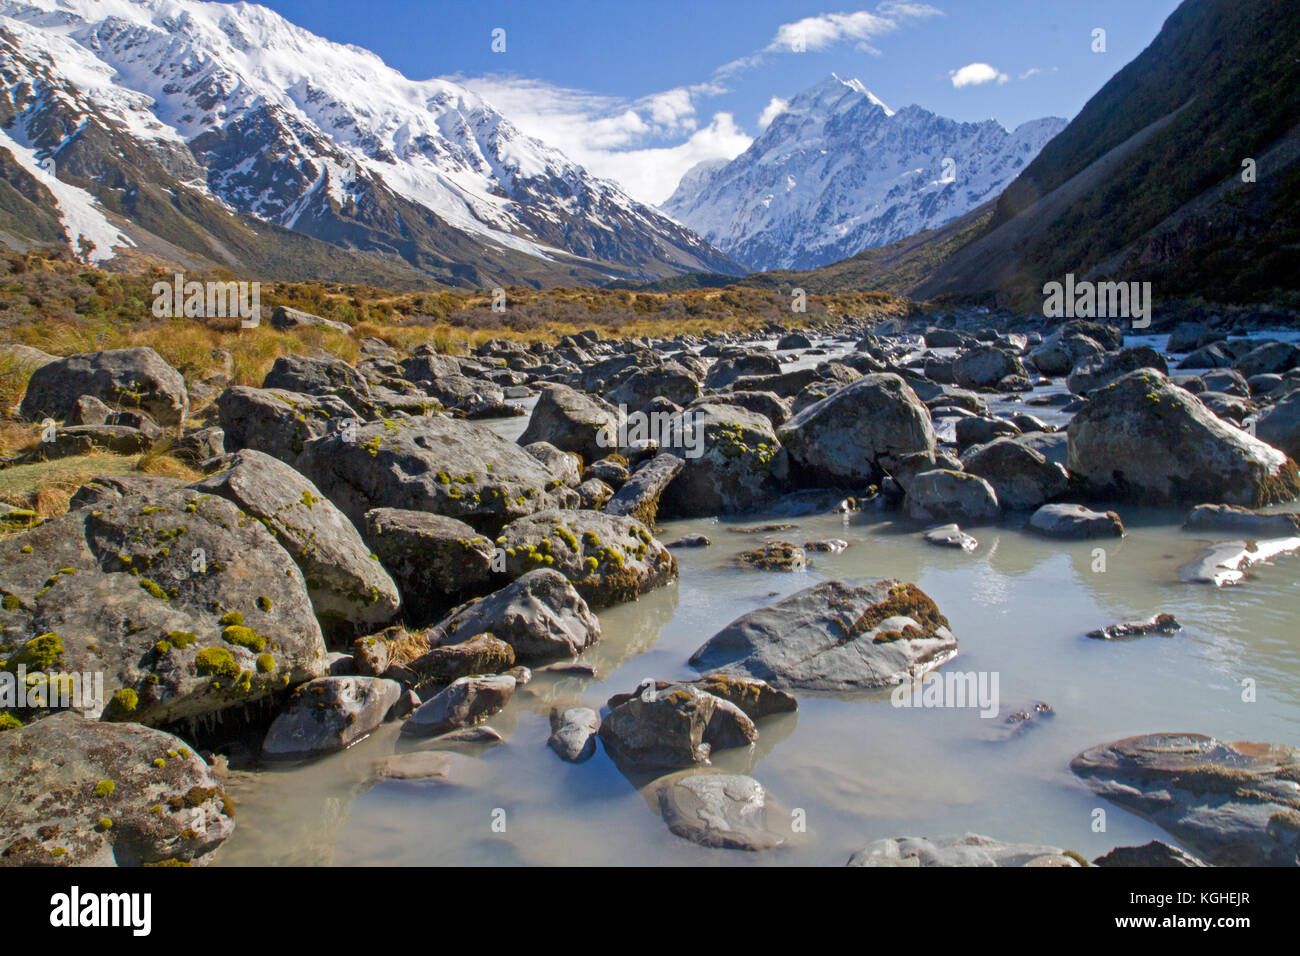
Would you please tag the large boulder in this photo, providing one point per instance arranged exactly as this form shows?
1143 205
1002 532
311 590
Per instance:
318 376
84 793
437 464
349 588
731 367
853 436
677 726
186 606
572 421
286 319
278 422
942 495
639 496
1091 375
609 558
834 636
1058 354
125 378
1279 424
1021 478
670 380
986 366
539 615
436 561
1234 804
327 715
732 462
1144 439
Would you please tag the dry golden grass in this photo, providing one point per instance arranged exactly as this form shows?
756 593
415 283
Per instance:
47 487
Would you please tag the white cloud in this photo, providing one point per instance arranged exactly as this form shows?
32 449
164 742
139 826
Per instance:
975 74
616 138
775 107
651 175
826 29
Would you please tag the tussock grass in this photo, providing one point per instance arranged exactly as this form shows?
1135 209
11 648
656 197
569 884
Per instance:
47 487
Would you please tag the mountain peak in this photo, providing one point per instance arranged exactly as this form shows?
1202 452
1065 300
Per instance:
834 94
839 172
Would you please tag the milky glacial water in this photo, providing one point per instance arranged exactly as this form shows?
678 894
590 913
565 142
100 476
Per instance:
858 768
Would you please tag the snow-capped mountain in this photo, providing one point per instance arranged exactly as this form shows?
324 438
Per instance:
232 105
838 172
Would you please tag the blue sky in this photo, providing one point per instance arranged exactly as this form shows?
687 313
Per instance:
640 91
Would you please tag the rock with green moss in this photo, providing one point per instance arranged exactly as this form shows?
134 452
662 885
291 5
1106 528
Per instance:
132 378
731 462
835 637
639 496
441 465
609 558
327 715
205 559
350 591
277 421
106 771
1144 439
564 466
436 561
540 616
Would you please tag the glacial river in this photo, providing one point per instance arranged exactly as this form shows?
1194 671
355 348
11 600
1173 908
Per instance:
852 769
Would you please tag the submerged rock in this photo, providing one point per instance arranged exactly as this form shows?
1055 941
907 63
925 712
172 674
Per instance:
969 850
1235 804
573 733
951 536
775 556
1075 522
1155 853
1163 624
84 793
1226 562
724 811
1231 519
834 636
